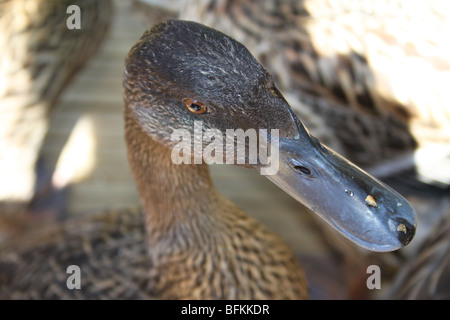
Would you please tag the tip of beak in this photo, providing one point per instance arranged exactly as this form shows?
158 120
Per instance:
404 230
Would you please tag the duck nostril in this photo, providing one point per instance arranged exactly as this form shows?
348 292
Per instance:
301 170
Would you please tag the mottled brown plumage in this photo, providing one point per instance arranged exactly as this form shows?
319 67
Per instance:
109 248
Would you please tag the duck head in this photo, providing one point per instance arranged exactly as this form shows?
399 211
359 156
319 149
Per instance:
181 74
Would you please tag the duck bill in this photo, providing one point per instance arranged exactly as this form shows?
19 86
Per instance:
360 207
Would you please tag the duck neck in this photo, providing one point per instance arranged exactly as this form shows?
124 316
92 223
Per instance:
174 197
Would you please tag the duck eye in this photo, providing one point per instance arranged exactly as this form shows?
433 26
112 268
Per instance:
195 106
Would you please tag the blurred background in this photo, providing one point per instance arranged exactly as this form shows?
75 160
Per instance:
368 78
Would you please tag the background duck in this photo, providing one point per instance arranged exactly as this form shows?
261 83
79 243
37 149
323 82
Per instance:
40 56
201 245
344 64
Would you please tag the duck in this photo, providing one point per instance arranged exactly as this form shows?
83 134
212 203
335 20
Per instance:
41 55
187 241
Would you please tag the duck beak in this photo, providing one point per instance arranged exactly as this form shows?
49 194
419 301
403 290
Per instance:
360 207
